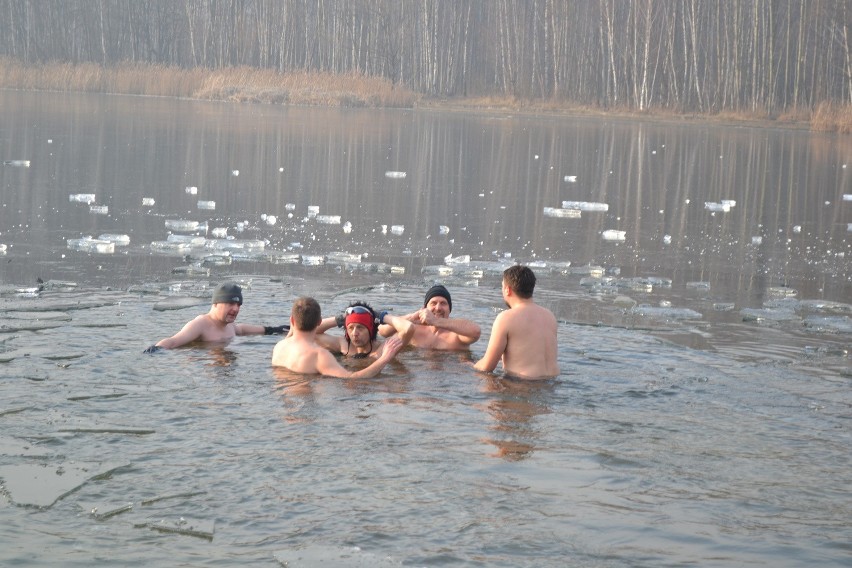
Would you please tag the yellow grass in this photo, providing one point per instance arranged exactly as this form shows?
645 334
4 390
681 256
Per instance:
241 84
830 117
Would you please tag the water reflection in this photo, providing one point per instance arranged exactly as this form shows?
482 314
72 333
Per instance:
514 406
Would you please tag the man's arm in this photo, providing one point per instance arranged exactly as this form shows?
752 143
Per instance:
386 330
403 328
191 331
467 331
496 346
327 365
251 329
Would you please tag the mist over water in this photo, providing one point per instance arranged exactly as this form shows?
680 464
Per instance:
700 275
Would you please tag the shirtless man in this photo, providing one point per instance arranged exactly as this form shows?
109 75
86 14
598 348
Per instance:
300 352
434 328
524 336
361 325
217 325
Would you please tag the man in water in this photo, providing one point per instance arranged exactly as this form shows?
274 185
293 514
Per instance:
299 351
524 336
433 326
217 325
361 325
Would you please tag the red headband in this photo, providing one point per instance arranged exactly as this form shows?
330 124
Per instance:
364 319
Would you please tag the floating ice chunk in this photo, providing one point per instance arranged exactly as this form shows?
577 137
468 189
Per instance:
397 229
700 285
849 227
119 240
847 197
343 257
756 240
711 206
88 244
797 229
278 257
347 227
170 247
729 202
191 190
571 179
830 324
313 210
461 259
19 163
194 269
87 198
313 259
779 292
219 232
187 527
235 244
148 202
99 209
724 306
398 270
443 230
271 220
185 226
585 205
395 175
289 206
103 512
191 240
328 219
43 484
589 270
562 213
2 248
384 229
613 235
666 312
235 173
209 205
667 239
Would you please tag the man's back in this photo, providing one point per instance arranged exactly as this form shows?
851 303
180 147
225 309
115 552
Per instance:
298 355
531 346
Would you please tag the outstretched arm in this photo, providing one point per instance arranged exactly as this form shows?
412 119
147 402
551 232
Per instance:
327 365
251 329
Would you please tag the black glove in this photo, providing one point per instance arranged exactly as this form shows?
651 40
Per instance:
153 349
340 320
275 329
381 316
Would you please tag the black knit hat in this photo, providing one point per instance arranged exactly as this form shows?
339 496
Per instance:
228 293
438 290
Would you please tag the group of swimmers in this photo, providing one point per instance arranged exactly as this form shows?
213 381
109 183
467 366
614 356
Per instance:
523 337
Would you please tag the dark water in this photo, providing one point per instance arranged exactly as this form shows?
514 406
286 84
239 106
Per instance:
703 412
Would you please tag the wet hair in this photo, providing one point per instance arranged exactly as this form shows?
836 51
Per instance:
520 280
306 313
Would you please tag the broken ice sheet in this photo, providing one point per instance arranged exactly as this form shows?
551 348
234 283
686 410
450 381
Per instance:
103 511
22 448
42 485
189 527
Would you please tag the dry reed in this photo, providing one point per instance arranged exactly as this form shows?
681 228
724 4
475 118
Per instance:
241 84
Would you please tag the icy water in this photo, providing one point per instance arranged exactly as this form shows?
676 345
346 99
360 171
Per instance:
700 275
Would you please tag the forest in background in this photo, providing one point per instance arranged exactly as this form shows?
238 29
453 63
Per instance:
762 58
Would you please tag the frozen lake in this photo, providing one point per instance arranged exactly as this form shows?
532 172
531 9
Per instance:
700 275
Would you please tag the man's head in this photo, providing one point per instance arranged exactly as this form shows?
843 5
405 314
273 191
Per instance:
228 293
438 301
306 314
360 324
520 280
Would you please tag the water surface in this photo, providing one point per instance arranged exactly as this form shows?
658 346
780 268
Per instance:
702 414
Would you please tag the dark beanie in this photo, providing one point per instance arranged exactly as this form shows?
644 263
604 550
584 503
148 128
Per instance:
227 293
438 290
